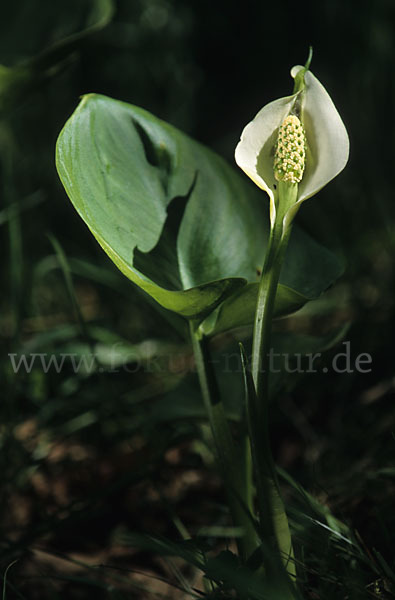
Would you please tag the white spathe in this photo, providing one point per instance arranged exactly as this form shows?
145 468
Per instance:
326 136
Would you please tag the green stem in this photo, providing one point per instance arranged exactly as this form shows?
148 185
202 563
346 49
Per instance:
264 312
267 292
273 519
230 461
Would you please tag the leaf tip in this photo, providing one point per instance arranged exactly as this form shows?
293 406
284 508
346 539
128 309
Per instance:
84 99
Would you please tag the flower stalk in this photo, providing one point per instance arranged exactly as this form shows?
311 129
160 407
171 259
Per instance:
273 519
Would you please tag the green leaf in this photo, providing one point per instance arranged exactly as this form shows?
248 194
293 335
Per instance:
121 168
308 270
174 217
239 309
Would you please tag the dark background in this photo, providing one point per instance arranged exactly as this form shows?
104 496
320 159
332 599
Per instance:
79 461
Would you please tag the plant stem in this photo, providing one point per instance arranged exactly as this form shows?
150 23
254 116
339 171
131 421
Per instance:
273 519
278 242
233 464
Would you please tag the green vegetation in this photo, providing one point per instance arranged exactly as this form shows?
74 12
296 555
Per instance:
110 487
